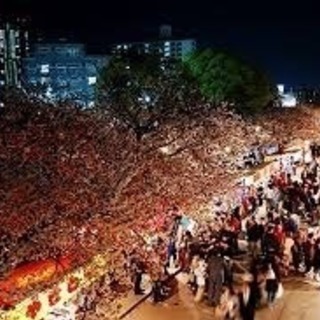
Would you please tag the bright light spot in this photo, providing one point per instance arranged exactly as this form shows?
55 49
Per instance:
280 88
288 100
45 68
92 80
49 92
165 150
227 149
147 98
43 80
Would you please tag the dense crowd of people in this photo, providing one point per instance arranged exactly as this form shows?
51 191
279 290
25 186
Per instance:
280 234
237 260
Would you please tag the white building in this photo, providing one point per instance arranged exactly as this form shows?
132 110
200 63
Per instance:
165 45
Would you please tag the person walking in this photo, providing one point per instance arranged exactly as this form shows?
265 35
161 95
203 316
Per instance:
137 277
200 273
247 299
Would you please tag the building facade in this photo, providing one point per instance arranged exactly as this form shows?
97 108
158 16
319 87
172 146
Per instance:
308 94
14 46
63 71
165 46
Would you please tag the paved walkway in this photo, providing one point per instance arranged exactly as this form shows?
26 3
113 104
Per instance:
300 302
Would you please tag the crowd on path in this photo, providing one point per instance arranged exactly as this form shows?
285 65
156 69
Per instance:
280 234
238 267
236 261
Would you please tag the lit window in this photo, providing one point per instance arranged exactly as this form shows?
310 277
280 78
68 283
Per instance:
167 49
118 46
92 80
167 54
167 43
125 47
146 45
43 80
45 68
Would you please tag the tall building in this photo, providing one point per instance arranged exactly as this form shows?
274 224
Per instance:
165 45
63 71
14 46
308 94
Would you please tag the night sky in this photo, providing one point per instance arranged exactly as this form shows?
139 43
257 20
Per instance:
282 36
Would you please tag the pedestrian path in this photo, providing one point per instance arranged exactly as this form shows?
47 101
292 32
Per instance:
132 301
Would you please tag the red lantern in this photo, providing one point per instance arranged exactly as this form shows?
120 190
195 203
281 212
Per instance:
33 309
73 284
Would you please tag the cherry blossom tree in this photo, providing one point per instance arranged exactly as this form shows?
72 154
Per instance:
65 172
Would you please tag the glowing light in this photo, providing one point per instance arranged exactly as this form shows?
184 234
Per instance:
280 88
92 80
288 101
165 150
45 68
227 149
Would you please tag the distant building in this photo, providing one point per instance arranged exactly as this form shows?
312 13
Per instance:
63 71
14 46
165 46
308 95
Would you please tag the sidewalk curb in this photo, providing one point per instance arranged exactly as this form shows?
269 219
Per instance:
144 298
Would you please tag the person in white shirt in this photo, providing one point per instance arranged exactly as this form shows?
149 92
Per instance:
270 195
200 274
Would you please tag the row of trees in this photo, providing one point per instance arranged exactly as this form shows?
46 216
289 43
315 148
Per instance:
63 168
162 134
144 91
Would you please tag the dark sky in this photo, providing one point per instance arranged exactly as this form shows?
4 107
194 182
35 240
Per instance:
281 36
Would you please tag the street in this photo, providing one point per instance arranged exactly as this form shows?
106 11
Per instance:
300 302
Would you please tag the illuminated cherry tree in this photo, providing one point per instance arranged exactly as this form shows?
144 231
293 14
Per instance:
74 183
